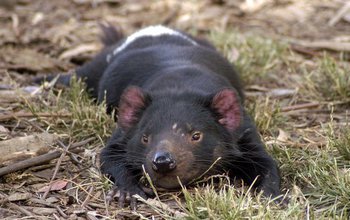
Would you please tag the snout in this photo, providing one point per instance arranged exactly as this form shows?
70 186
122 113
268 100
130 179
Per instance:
163 162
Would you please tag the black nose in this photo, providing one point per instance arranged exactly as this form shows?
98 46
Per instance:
163 162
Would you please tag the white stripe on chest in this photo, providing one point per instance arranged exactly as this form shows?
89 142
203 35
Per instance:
151 31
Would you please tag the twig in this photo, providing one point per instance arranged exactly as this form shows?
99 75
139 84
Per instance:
59 161
96 205
303 50
300 106
43 202
87 199
21 209
340 13
324 44
55 216
29 162
39 159
30 114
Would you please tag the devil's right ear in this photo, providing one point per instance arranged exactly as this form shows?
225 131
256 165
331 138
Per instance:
132 102
226 103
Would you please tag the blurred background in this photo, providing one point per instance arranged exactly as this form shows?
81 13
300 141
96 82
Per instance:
68 30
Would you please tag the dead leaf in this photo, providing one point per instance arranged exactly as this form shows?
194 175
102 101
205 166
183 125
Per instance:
54 186
257 88
79 50
45 174
3 130
30 89
233 55
282 136
253 6
281 92
347 17
38 17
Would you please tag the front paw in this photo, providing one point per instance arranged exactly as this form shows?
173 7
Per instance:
124 193
272 191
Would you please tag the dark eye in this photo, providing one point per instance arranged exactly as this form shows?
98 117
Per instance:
196 136
144 139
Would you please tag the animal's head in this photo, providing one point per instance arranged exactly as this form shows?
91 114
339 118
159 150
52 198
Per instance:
178 136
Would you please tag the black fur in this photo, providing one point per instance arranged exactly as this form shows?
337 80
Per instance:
178 83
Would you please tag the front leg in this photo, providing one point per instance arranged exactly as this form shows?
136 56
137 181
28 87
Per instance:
113 163
255 162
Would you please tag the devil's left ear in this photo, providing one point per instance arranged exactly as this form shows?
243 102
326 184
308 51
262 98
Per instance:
227 104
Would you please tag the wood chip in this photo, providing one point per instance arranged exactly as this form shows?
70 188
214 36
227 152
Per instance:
24 147
44 211
19 197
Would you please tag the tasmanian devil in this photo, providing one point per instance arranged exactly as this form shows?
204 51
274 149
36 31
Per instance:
179 112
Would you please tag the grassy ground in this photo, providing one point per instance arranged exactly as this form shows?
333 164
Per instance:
300 104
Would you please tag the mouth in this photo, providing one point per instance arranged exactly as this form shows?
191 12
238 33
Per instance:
171 180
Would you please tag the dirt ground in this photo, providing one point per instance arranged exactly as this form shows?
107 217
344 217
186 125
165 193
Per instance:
40 37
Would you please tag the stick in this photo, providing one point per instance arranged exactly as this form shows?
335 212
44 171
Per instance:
58 164
304 50
39 159
300 106
21 209
323 44
340 13
88 197
43 202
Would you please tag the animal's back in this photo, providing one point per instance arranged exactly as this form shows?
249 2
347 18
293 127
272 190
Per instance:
161 61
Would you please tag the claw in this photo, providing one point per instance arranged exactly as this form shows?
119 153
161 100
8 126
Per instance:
111 194
142 194
148 191
133 203
121 199
124 194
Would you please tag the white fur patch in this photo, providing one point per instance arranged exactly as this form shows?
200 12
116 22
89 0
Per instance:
151 31
174 126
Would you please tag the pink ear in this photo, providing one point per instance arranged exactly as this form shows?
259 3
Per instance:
131 102
226 103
